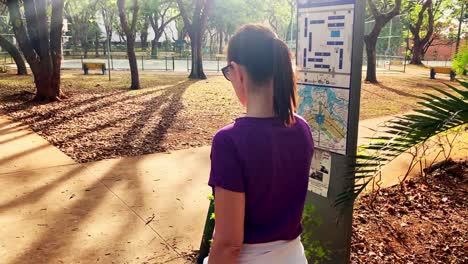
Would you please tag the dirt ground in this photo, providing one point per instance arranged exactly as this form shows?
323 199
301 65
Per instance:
422 221
103 119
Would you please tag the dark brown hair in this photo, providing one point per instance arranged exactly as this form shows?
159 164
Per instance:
266 57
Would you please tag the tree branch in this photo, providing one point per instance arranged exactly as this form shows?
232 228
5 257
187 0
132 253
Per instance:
135 15
204 15
430 30
395 11
375 12
183 13
21 35
163 27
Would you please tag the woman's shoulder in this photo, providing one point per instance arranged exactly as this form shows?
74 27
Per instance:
305 127
224 134
300 120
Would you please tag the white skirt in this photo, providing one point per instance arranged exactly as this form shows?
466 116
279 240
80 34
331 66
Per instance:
277 252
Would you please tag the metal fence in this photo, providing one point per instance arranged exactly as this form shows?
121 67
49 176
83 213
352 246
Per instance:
391 45
146 63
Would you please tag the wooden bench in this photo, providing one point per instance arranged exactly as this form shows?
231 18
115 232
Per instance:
396 62
94 66
443 70
167 54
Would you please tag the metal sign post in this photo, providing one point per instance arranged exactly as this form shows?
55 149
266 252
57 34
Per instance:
329 64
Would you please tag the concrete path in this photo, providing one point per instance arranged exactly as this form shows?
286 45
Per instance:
395 171
22 149
148 209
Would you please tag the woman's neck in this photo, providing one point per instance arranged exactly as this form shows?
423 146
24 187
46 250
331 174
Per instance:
260 102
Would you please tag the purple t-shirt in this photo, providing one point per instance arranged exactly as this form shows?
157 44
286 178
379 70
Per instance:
270 163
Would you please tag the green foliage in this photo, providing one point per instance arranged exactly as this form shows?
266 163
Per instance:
460 62
441 113
229 15
314 250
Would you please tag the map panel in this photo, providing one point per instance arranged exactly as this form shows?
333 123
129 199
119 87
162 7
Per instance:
325 45
326 110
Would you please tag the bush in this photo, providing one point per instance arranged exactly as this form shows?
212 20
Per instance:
461 61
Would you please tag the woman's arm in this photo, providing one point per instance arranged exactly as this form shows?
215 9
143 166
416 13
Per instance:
229 212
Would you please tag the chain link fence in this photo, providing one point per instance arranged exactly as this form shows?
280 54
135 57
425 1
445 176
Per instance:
392 51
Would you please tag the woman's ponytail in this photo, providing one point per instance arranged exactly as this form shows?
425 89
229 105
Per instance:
284 83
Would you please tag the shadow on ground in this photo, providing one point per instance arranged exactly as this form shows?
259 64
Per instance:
104 123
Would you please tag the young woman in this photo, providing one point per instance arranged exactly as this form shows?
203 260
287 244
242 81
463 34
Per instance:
260 163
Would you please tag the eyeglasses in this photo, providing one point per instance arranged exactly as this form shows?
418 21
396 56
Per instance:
225 71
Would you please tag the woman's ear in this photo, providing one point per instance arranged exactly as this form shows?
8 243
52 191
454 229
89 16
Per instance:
238 74
238 78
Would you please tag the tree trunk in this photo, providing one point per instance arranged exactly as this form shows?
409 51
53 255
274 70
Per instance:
211 43
96 47
421 44
144 34
130 34
154 48
371 43
15 54
84 48
56 31
45 89
196 29
418 54
197 59
132 60
43 51
221 42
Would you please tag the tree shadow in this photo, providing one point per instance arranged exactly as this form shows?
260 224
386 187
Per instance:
11 158
15 138
161 107
393 90
153 139
81 215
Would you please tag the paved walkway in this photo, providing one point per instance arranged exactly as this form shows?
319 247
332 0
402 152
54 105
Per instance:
148 209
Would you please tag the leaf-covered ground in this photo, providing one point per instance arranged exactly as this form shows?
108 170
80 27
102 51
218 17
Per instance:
103 119
422 221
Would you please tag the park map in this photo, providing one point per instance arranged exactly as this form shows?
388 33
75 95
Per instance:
324 72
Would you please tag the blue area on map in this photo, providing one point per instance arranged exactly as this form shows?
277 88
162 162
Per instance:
320 118
335 33
307 100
